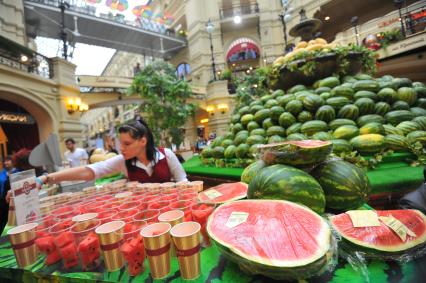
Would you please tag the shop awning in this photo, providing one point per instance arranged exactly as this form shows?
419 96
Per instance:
241 47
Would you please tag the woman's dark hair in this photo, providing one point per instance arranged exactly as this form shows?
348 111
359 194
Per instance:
138 129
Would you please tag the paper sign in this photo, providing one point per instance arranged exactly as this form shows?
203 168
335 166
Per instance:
212 194
363 218
25 193
236 219
398 227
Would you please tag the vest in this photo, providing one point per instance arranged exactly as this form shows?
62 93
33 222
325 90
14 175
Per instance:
160 174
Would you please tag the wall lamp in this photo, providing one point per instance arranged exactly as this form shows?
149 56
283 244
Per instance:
222 108
74 104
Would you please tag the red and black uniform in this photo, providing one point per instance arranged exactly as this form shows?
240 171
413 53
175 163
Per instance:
161 172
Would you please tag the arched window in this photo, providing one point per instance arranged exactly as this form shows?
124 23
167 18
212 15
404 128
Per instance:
242 49
183 70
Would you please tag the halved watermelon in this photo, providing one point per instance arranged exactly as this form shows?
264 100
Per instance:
304 152
224 193
381 239
279 239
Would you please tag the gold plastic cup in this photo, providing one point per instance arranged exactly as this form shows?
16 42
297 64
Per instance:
11 217
186 238
172 217
22 239
110 236
156 240
46 207
197 185
123 197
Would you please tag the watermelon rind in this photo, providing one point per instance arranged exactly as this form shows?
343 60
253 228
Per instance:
365 246
274 268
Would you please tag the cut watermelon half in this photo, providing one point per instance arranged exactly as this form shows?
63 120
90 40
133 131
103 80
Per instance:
279 239
224 193
382 238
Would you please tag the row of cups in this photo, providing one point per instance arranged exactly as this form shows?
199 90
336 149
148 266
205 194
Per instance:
120 243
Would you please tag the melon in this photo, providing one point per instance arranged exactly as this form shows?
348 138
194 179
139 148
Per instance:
304 152
279 239
224 193
381 239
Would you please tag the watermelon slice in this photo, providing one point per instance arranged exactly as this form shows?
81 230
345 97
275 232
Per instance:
305 152
381 239
279 239
224 193
47 246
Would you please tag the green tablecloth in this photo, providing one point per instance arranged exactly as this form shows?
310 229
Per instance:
215 268
393 174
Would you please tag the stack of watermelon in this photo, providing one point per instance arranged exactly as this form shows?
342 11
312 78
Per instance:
332 184
359 113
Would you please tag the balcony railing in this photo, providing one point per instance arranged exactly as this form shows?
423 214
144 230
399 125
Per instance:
240 10
81 6
31 62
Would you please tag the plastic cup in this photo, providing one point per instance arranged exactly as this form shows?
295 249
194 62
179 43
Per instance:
200 214
45 242
124 196
11 217
197 185
186 238
110 235
162 205
22 239
106 215
65 242
185 206
125 215
172 217
156 240
132 247
87 243
149 216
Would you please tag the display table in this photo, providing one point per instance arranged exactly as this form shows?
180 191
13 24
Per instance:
214 268
392 178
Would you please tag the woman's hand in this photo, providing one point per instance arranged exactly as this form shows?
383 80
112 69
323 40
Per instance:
40 181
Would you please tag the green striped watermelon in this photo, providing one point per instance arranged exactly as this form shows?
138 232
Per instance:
311 127
325 113
340 122
396 142
345 185
341 145
407 94
349 111
286 119
284 182
294 129
371 143
400 105
305 152
408 127
365 105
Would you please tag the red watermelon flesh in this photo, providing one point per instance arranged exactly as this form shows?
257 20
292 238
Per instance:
229 191
276 233
383 238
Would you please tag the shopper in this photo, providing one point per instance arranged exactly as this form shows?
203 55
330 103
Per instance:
139 160
20 163
74 155
417 198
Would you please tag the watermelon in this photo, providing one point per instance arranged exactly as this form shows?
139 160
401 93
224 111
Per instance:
300 249
304 152
235 118
306 116
323 136
349 111
365 105
340 122
265 98
295 128
362 76
271 103
276 111
284 182
223 193
418 111
244 110
218 152
275 130
421 102
312 102
370 118
330 82
407 94
344 91
242 150
366 94
400 105
230 151
261 115
371 143
252 125
396 142
372 128
275 139
226 143
296 88
421 121
283 100
258 132
369 85
296 137
387 94
381 108
337 102
322 89
345 185
417 136
346 132
398 116
255 108
286 119
247 118
267 123
241 137
381 240
325 113
408 127
311 127
341 145
251 171
391 130
421 91
294 107
251 140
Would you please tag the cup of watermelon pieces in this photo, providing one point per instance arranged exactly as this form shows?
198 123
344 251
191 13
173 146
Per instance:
87 244
200 214
132 247
65 243
45 242
185 206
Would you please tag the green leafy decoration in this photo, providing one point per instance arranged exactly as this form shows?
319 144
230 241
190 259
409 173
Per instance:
165 105
419 151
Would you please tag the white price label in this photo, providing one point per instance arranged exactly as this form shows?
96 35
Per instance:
25 193
212 194
363 218
236 219
398 227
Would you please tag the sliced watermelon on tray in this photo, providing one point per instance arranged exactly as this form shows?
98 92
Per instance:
382 239
279 239
224 193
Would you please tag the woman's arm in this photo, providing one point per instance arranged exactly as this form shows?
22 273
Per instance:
175 167
81 173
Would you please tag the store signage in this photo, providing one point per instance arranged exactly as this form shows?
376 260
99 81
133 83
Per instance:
113 82
16 118
403 46
388 22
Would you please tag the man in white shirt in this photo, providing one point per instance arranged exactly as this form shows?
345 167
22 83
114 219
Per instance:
74 155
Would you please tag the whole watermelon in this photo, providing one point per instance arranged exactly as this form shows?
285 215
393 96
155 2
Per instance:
284 182
345 185
251 171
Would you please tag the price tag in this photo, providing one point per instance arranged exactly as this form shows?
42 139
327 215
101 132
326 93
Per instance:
212 194
363 218
398 227
236 219
25 194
